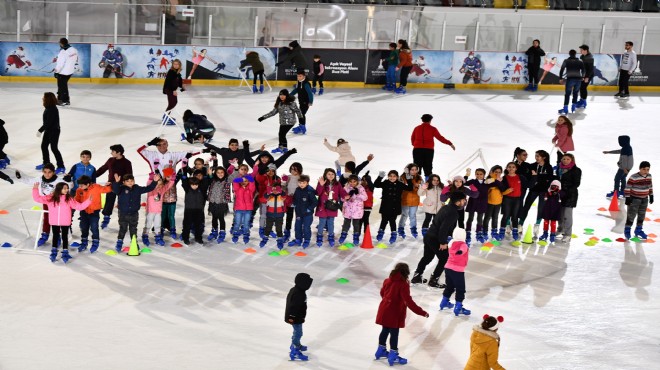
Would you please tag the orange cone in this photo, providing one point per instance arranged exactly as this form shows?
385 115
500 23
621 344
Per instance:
367 242
614 204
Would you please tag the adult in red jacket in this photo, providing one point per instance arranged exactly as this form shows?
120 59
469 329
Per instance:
423 144
391 314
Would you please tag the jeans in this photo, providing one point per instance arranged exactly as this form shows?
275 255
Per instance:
455 281
510 210
403 76
109 203
297 334
583 89
242 219
566 221
390 76
328 222
637 209
492 213
408 212
393 333
89 221
572 87
620 181
303 227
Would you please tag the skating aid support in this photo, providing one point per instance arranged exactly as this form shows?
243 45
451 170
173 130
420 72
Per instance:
170 115
42 214
247 84
477 154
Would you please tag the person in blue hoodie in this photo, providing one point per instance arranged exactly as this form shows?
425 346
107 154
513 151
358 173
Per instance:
304 203
625 163
129 203
84 168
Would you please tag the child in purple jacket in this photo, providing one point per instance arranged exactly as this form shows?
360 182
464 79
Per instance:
551 210
455 273
330 193
478 205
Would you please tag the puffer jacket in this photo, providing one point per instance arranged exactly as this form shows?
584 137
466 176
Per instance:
484 350
155 197
290 184
59 214
391 196
457 261
478 204
354 207
563 140
405 58
220 190
95 191
327 192
275 202
570 181
396 299
344 151
432 202
410 198
287 112
244 196
252 58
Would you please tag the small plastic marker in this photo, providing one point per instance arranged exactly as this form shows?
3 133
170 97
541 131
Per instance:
484 248
125 249
496 243
6 245
36 208
649 210
177 245
145 250
590 243
635 239
516 243
649 241
647 219
381 246
594 238
543 243
284 252
652 235
489 245
300 254
606 240
657 220
342 281
588 230
3 212
143 204
343 247
249 251
602 209
621 240
274 253
573 236
111 252
349 245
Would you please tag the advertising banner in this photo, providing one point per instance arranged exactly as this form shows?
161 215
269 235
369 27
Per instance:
470 67
340 64
429 66
218 63
647 72
135 61
38 59
605 69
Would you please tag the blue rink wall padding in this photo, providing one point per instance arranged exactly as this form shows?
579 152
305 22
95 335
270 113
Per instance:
35 59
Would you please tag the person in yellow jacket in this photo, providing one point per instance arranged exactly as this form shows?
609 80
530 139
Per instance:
485 345
410 200
495 198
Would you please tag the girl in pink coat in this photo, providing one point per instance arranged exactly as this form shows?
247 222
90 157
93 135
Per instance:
563 138
155 208
330 193
455 273
353 209
60 203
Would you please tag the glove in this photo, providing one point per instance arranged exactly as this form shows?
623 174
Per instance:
213 154
285 178
206 150
381 173
190 138
473 188
366 174
293 151
354 192
260 119
628 201
189 155
459 253
408 176
249 178
234 163
246 143
238 180
154 141
56 75
183 89
651 198
39 133
67 178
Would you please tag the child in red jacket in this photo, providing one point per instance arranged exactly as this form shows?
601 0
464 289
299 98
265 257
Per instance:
455 273
391 315
244 189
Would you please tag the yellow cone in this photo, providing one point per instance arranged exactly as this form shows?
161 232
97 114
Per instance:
527 239
134 250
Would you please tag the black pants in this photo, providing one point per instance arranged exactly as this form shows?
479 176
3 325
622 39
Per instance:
510 210
365 219
128 222
428 218
492 213
391 219
583 89
480 220
432 249
393 333
63 88
3 155
347 225
171 101
304 107
533 70
277 221
109 203
624 77
218 212
423 158
192 217
455 281
461 219
289 217
318 78
110 69
259 74
64 232
51 138
403 77
284 129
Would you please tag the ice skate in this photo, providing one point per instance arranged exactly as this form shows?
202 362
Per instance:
640 233
393 238
544 236
563 110
221 236
529 87
331 240
394 358
314 90
254 89
261 89
514 234
43 239
468 238
460 310
445 303
424 231
402 232
552 237
53 254
418 279
295 243
83 245
66 256
145 239
433 283
295 353
263 242
305 243
319 240
413 232
213 234
234 238
246 237
626 232
280 243
356 239
381 352
95 246
39 167
481 238
573 107
287 235
119 245
321 91
105 222
342 237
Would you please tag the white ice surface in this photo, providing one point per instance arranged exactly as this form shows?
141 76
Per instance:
574 307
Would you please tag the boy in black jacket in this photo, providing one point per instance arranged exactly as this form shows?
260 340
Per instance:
129 198
295 313
305 99
193 211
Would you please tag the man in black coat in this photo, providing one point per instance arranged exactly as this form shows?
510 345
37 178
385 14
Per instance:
574 74
295 56
436 240
534 54
588 61
296 311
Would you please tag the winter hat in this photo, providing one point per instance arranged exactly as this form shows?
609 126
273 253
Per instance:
284 92
458 235
272 167
455 196
294 44
341 141
459 178
350 166
427 118
556 183
488 322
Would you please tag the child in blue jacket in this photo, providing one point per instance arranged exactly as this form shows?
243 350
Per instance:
304 202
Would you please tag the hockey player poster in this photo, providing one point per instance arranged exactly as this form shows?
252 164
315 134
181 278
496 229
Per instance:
429 66
38 59
135 61
489 68
339 64
217 63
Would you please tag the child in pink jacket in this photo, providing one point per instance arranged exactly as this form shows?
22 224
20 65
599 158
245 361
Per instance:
563 138
60 203
455 273
155 208
353 209
244 190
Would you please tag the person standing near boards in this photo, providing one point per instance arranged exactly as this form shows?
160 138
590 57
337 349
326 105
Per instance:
628 65
534 54
66 61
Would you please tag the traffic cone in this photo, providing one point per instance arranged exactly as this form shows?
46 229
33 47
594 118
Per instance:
134 250
614 204
527 239
367 242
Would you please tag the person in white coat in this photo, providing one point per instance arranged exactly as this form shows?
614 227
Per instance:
66 64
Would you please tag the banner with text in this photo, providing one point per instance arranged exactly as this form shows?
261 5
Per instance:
340 64
429 66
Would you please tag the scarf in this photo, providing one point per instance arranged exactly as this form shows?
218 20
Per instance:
564 168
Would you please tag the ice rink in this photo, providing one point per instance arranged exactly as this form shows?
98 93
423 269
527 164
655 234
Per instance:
217 307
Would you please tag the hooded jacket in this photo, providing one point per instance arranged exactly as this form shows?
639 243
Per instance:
395 301
252 58
94 191
391 196
410 198
344 151
405 58
304 201
59 214
66 60
432 202
244 196
484 350
626 160
287 111
563 140
353 208
458 251
129 198
296 300
155 197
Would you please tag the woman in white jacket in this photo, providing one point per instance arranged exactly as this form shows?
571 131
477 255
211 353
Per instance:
431 204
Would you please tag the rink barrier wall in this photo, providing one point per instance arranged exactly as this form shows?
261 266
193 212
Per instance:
345 68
